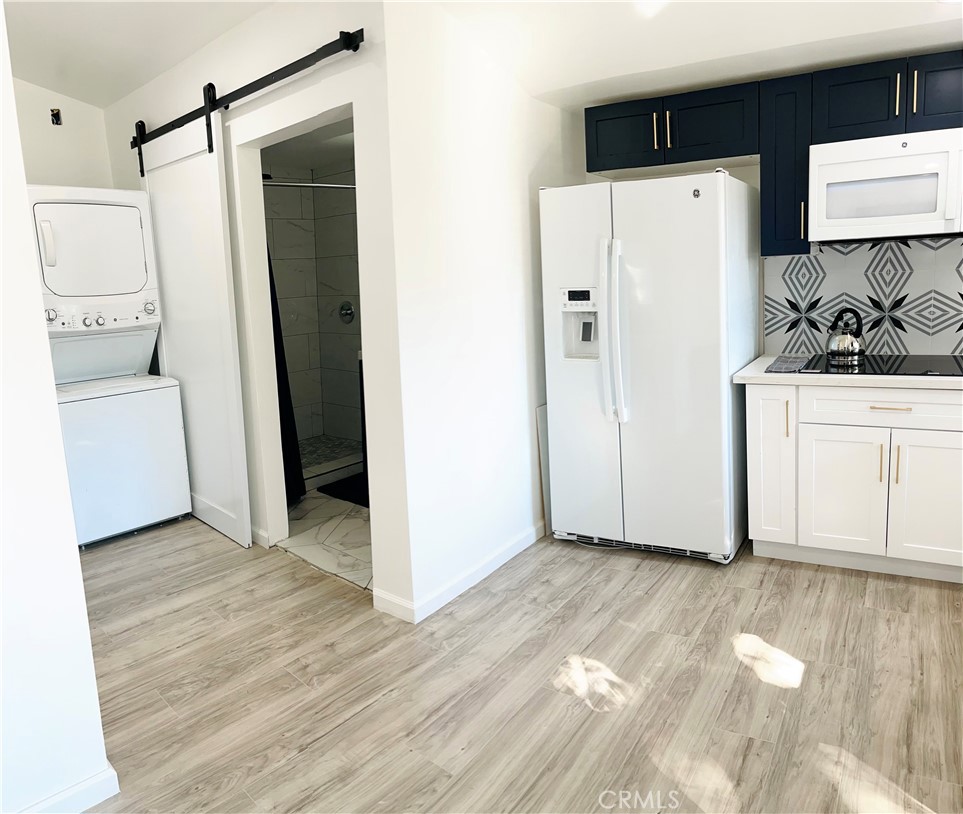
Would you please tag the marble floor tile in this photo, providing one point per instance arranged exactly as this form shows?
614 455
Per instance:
352 536
327 559
360 577
332 535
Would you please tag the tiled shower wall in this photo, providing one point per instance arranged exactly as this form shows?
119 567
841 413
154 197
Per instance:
336 250
909 294
289 213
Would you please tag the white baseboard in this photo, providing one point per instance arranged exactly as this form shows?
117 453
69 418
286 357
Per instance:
859 562
423 608
82 795
428 605
260 537
393 605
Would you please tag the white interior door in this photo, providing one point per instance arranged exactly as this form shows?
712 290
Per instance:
926 483
583 436
198 346
843 484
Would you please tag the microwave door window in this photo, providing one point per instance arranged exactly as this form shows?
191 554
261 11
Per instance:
882 197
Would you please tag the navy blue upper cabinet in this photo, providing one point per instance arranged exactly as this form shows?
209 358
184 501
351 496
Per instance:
709 124
862 101
935 88
785 107
625 134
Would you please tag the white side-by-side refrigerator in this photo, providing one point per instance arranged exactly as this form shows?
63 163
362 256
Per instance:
651 301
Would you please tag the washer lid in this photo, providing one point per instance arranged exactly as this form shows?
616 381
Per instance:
90 249
98 355
118 386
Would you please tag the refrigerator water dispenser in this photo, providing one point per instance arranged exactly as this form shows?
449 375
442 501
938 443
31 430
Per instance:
580 323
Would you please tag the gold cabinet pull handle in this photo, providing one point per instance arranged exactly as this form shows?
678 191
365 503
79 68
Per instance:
897 94
915 82
897 464
802 220
787 418
668 130
891 409
655 129
880 463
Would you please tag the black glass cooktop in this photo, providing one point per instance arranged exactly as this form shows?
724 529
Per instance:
891 366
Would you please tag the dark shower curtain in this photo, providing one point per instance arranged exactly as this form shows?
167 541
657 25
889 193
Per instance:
290 451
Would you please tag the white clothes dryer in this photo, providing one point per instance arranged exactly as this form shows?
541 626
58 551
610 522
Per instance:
123 429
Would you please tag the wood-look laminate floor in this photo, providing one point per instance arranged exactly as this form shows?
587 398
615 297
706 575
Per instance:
570 680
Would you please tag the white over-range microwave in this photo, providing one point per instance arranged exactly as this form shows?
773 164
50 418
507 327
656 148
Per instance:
906 185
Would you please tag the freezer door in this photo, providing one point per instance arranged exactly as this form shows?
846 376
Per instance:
671 279
583 435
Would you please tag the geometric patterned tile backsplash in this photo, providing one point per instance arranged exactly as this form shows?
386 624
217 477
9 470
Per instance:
909 294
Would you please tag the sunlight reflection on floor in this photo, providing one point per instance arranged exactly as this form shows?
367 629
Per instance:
593 682
770 664
862 789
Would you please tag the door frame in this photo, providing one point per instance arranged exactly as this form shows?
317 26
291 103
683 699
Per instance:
288 111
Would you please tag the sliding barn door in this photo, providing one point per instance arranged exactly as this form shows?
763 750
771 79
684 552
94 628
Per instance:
198 346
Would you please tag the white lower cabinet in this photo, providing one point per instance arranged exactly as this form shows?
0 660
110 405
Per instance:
926 496
843 474
771 462
838 471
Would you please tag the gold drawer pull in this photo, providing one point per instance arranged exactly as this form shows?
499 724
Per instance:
787 418
880 463
668 129
655 130
897 464
892 409
897 94
915 82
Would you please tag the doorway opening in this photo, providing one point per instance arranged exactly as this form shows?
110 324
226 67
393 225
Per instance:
311 225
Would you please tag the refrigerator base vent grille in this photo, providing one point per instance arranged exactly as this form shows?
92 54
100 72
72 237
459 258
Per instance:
607 543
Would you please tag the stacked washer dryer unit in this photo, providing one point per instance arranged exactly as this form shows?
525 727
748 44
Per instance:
123 429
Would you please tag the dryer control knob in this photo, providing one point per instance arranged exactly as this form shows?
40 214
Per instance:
101 321
149 308
51 314
86 322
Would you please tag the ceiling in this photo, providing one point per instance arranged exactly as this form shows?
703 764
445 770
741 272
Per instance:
573 54
327 147
99 52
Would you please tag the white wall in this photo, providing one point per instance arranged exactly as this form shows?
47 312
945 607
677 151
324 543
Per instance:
72 154
452 331
469 149
51 742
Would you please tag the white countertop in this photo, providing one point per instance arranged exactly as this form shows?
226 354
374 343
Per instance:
755 373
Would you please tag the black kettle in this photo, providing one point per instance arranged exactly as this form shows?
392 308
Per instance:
846 347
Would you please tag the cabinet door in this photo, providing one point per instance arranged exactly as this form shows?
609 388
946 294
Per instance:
935 91
627 134
926 485
715 123
862 101
843 487
785 130
771 462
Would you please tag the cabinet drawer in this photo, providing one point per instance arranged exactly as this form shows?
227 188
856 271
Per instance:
882 407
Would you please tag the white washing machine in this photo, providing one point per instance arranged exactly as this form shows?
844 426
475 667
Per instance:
123 429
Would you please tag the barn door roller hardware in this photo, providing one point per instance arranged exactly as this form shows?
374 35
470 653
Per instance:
347 41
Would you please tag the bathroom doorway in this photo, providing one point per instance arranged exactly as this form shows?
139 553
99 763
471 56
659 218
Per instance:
311 225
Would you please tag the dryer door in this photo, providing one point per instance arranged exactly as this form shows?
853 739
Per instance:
90 249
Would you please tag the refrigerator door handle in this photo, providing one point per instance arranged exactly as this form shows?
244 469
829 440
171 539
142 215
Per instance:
621 407
605 354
